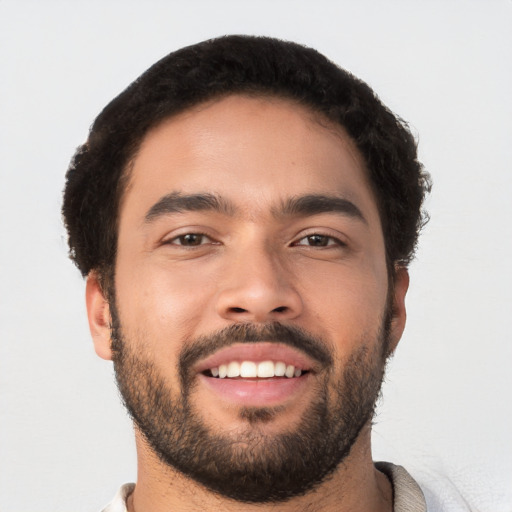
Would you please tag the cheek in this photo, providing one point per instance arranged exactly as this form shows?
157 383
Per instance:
160 306
347 303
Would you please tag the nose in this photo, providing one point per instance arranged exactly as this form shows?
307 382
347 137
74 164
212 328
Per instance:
258 288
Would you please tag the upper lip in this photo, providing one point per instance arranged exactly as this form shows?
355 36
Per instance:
257 352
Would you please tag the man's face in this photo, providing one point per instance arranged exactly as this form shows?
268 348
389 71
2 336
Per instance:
250 244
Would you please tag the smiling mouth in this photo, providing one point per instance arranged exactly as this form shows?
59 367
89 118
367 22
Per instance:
254 370
262 374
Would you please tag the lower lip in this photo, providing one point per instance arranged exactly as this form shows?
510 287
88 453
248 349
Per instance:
256 392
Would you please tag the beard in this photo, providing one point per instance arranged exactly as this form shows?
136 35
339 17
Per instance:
250 465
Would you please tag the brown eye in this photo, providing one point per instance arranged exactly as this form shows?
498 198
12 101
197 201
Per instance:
317 240
191 240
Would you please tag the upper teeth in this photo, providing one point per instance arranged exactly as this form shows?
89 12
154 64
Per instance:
265 369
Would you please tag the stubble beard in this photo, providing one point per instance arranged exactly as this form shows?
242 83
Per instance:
251 466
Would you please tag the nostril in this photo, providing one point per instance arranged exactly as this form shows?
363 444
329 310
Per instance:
280 309
238 310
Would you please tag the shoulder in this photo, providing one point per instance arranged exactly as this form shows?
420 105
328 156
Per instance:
118 504
428 492
445 495
407 494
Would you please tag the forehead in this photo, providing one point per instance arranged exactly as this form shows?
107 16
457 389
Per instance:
255 151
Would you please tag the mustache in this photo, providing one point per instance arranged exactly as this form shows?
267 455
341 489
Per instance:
292 336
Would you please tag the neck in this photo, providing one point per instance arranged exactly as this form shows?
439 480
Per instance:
356 486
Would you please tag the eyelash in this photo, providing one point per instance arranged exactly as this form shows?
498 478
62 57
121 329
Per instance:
330 241
180 238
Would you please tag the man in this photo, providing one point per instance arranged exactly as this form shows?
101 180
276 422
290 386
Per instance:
244 214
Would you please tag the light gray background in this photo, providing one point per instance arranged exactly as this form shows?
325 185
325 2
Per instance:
445 66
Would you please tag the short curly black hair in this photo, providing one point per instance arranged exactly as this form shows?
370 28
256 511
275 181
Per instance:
96 178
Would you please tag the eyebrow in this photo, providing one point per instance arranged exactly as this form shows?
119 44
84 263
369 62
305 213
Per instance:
178 203
315 204
307 205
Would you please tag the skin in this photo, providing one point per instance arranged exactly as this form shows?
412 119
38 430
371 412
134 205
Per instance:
252 266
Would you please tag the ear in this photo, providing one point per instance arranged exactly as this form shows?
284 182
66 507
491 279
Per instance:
399 313
98 313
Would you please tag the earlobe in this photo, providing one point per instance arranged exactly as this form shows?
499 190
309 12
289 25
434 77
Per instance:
399 313
98 313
